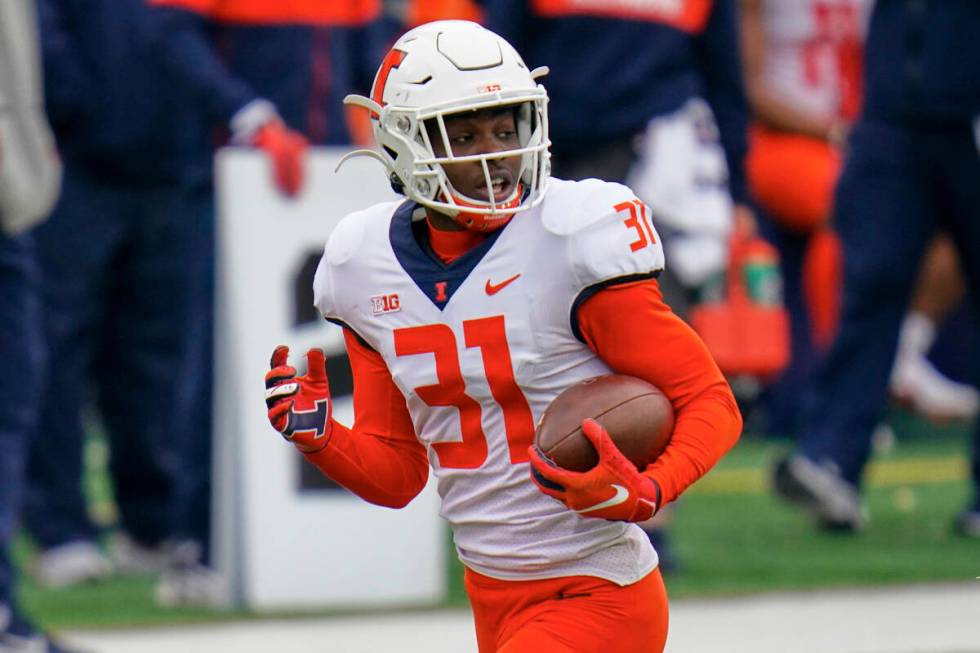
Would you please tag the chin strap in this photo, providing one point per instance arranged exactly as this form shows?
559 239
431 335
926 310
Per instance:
483 221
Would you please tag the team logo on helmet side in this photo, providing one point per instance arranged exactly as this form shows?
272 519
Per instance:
392 60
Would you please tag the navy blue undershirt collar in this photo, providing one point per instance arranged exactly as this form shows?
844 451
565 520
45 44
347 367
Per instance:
437 280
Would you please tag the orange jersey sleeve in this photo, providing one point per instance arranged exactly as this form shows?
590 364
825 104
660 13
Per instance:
654 344
379 459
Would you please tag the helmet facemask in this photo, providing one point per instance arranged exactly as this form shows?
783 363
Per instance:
515 183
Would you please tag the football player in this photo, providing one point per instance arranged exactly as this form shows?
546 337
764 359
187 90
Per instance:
802 70
466 309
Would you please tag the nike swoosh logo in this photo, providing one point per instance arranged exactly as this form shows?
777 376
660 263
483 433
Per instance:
494 289
622 494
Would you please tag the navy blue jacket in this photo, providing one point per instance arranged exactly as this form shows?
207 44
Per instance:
610 75
305 70
922 61
110 105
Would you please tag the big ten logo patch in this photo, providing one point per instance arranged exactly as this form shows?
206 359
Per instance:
389 303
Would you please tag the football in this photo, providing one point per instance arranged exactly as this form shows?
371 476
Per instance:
638 417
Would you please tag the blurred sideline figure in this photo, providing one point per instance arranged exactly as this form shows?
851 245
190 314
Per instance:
670 119
915 380
802 63
112 256
912 169
803 78
554 564
265 74
29 181
651 97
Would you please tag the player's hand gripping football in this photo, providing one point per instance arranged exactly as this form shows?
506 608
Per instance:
299 406
614 489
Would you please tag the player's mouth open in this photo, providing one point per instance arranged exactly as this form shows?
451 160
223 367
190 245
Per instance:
501 183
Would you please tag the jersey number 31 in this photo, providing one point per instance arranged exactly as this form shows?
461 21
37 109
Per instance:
487 334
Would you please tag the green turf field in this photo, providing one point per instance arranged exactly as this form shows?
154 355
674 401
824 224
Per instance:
731 536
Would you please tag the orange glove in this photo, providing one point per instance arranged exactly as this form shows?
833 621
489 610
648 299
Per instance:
286 150
614 489
299 407
257 124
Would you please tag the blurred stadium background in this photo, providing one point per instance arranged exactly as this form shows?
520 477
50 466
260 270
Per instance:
751 574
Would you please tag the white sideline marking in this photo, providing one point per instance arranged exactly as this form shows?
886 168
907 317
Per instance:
910 619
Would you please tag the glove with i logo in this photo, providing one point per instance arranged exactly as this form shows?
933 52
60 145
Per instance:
299 407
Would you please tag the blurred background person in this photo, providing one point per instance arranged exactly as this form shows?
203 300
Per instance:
30 175
112 257
668 119
802 62
939 325
912 168
269 75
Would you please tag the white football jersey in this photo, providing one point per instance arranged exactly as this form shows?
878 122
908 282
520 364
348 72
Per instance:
814 54
480 348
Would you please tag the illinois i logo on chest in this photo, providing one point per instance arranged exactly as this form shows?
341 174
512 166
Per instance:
388 303
440 288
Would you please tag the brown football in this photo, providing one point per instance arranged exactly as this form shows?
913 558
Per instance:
638 417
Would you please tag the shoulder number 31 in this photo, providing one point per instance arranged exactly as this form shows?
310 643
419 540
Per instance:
638 220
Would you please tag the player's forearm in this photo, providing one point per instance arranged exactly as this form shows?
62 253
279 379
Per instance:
383 471
704 431
774 112
659 347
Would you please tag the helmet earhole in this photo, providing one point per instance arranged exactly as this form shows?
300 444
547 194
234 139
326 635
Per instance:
396 184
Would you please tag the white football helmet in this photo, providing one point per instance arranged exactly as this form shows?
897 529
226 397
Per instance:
447 67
